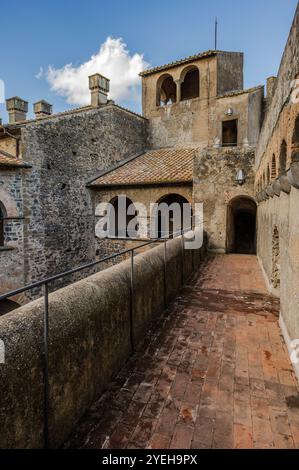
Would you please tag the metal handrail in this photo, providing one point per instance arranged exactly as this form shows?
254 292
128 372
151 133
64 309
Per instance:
55 277
45 284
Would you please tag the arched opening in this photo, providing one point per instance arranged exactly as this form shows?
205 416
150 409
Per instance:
166 90
190 83
2 217
268 175
241 226
275 277
7 306
172 215
295 137
283 158
295 141
122 211
273 168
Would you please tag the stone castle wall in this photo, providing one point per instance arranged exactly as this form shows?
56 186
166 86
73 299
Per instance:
65 152
12 254
278 228
214 184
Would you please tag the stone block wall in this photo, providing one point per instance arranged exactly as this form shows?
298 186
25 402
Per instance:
277 190
215 185
65 152
12 254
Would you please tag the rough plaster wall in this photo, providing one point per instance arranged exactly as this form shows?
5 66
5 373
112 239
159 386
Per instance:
214 185
66 152
11 257
8 144
282 212
255 112
185 123
229 71
289 69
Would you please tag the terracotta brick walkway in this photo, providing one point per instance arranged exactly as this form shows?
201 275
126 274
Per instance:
215 373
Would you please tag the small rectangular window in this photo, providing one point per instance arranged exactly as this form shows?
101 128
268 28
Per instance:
230 133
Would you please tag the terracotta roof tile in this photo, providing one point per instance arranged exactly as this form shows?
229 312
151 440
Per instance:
186 60
163 166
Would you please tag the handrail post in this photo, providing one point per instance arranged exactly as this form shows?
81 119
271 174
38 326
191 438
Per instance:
46 364
165 272
132 302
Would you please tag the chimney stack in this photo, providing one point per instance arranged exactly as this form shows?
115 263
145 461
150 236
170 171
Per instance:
99 87
271 82
17 109
42 109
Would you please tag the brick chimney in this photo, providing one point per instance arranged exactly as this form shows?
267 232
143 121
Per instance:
17 109
99 88
42 109
271 82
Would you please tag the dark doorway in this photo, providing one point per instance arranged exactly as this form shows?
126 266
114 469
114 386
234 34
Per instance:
167 228
241 226
119 218
190 85
230 133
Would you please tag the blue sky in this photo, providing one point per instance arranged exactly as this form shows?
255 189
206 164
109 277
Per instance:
37 34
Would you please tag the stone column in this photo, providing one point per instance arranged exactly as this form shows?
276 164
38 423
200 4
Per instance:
178 90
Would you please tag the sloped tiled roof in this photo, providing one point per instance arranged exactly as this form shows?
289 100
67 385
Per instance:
186 60
9 161
163 166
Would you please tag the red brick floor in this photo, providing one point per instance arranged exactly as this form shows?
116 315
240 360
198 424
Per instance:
214 373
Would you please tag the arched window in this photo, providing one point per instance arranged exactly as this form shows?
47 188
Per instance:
2 216
295 141
122 211
173 214
241 225
268 175
283 158
295 138
166 90
273 168
190 83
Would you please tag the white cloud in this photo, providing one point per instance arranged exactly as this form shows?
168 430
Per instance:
112 60
40 73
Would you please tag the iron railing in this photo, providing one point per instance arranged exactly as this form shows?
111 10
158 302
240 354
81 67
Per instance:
44 284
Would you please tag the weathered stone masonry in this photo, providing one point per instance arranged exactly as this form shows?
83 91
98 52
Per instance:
276 183
65 151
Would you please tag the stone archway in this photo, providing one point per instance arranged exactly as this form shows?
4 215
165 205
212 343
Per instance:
241 226
166 225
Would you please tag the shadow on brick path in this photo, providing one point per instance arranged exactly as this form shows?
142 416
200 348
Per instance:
213 373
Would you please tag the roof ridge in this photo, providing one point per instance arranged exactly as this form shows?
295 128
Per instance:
240 92
190 58
157 166
115 167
